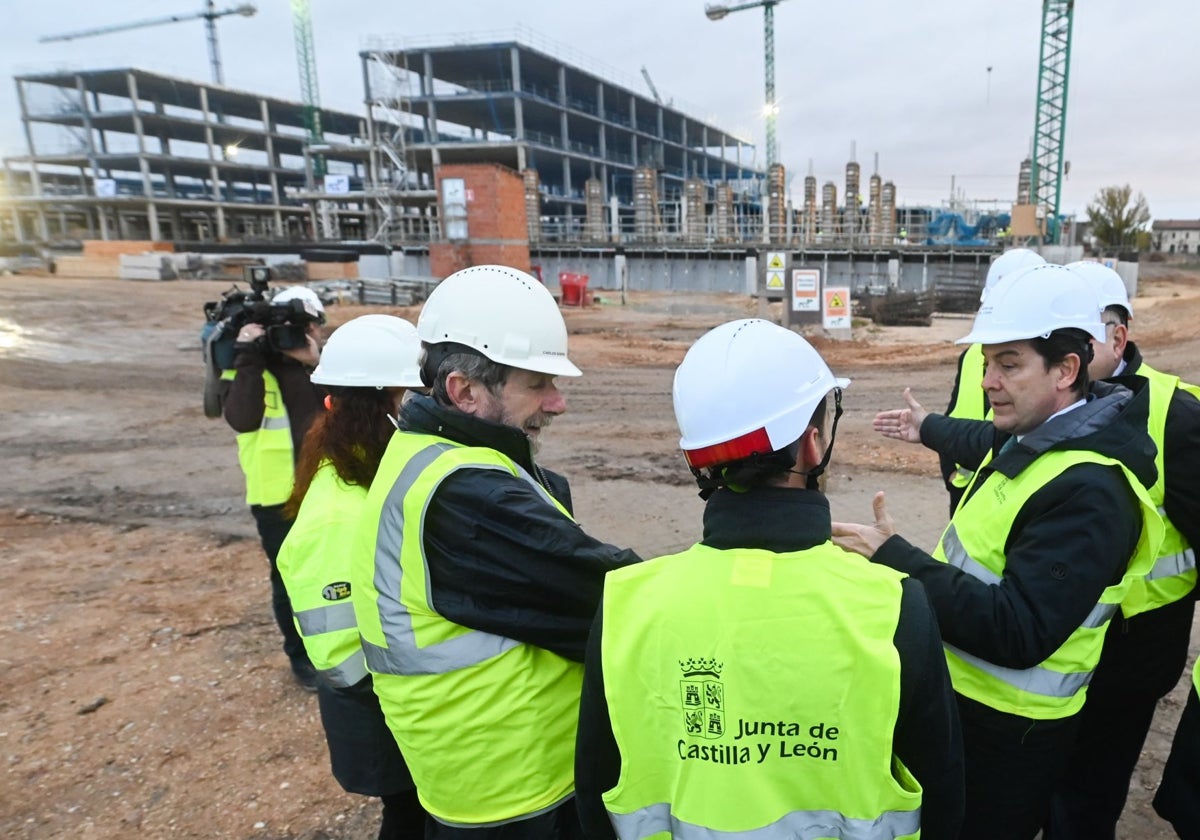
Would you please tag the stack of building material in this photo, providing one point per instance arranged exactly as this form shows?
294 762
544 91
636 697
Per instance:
152 266
71 266
187 266
332 270
111 249
100 257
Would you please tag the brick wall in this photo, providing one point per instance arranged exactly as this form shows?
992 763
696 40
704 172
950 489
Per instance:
496 222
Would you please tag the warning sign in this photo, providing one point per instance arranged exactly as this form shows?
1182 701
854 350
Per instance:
805 283
836 315
775 261
774 280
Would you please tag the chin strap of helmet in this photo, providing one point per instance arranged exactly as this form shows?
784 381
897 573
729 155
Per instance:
815 473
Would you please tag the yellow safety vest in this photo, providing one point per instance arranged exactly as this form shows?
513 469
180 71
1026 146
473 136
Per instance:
974 542
968 402
266 453
486 723
755 695
314 563
1174 574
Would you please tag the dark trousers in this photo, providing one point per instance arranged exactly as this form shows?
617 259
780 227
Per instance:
1012 766
272 529
362 751
1178 797
561 823
403 817
1141 662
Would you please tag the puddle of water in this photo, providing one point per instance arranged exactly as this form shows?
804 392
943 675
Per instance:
12 337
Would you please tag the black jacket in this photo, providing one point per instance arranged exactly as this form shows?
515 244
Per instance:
1181 454
501 559
243 402
926 737
947 464
1070 540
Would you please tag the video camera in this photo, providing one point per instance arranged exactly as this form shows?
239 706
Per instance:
285 327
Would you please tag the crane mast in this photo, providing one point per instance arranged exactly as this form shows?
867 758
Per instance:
1053 74
306 63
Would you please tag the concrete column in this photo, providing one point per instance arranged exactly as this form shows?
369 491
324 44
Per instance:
222 232
272 162
10 183
143 164
35 178
87 125
633 144
431 126
518 104
683 141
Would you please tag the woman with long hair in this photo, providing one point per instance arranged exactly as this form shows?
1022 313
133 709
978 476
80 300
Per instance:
367 366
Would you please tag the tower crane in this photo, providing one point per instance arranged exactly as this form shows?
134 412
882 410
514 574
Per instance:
209 13
1046 174
306 62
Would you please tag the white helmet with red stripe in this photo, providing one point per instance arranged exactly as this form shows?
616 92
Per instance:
747 387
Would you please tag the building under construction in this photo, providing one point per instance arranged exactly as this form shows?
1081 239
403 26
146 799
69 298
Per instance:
129 154
601 161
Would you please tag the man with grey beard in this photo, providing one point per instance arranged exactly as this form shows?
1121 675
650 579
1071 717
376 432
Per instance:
473 585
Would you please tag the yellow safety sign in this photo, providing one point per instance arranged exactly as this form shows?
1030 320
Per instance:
775 261
774 279
835 301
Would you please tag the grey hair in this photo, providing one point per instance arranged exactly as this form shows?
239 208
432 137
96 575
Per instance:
492 375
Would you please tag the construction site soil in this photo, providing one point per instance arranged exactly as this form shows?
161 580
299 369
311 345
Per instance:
144 688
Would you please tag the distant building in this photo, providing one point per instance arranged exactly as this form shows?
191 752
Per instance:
1176 236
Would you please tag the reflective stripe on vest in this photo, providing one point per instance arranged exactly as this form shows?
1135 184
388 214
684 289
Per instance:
1174 574
326 619
314 564
402 654
957 556
755 695
471 710
968 402
975 542
798 825
266 453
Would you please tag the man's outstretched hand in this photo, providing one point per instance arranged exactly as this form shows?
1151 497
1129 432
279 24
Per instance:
902 423
866 539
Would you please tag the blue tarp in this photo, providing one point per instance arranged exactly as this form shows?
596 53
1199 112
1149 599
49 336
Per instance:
952 229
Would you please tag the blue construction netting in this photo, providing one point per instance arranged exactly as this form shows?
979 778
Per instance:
948 228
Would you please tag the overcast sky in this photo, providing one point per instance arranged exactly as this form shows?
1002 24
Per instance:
907 81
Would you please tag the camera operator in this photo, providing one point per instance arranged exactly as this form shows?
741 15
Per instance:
271 403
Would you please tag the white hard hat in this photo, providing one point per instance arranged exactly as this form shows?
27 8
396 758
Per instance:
1108 285
1034 303
504 314
747 387
1014 259
312 304
378 351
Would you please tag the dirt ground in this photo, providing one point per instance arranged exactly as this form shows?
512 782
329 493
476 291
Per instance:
144 689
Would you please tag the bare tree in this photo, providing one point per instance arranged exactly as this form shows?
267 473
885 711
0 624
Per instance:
1117 216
